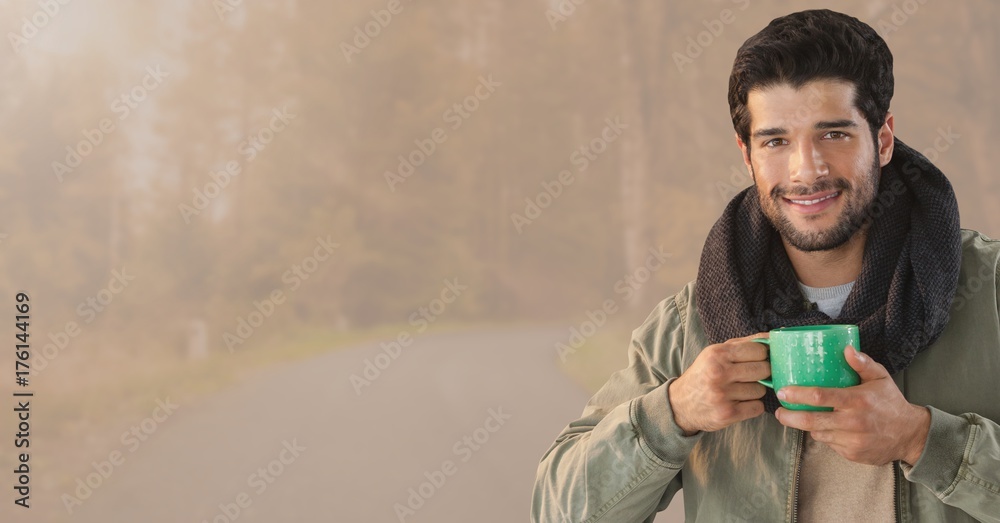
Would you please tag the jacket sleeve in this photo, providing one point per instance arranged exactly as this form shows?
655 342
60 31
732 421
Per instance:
961 459
961 463
620 461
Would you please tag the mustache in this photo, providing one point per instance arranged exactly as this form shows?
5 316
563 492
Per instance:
840 184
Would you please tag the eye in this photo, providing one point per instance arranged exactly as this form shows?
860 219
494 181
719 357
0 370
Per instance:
774 142
836 135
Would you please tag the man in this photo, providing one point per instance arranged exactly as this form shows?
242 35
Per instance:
844 224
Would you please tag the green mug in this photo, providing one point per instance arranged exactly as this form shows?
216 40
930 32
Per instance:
810 356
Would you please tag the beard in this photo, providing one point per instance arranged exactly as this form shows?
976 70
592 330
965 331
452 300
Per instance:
857 201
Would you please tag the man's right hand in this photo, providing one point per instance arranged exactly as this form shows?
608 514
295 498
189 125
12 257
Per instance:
720 388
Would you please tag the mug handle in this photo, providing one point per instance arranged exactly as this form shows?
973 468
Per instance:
765 382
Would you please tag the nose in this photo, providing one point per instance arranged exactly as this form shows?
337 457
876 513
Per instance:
806 164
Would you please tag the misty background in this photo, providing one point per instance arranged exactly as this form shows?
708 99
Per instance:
200 196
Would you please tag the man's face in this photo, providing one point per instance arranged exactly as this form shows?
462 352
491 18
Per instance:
813 161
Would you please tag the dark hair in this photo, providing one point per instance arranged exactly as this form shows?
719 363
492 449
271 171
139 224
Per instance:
813 45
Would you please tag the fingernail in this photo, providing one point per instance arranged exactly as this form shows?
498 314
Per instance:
861 357
781 395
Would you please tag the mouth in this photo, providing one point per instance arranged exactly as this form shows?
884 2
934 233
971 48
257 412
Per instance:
813 203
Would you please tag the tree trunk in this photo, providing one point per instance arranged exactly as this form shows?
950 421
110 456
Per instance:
639 70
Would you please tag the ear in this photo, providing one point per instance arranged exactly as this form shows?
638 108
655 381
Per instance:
745 151
885 140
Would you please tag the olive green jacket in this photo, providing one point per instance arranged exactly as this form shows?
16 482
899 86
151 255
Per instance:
625 458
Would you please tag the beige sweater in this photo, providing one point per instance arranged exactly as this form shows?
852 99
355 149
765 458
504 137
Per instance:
831 488
834 489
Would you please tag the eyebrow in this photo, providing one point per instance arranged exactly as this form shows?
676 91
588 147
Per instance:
832 124
836 124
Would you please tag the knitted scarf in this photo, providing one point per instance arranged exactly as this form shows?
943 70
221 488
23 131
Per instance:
900 300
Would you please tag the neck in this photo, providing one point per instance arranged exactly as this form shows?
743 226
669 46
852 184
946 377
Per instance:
829 268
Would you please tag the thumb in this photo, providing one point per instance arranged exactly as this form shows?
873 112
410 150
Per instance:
867 368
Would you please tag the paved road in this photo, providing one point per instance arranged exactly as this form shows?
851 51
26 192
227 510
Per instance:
329 455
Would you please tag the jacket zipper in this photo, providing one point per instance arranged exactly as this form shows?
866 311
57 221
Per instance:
798 473
896 492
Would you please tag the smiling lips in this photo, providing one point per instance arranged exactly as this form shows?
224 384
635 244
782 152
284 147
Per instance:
813 205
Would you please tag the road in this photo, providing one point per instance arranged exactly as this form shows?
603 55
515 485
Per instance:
467 413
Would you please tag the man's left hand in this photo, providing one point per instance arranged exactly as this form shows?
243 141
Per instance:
871 423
